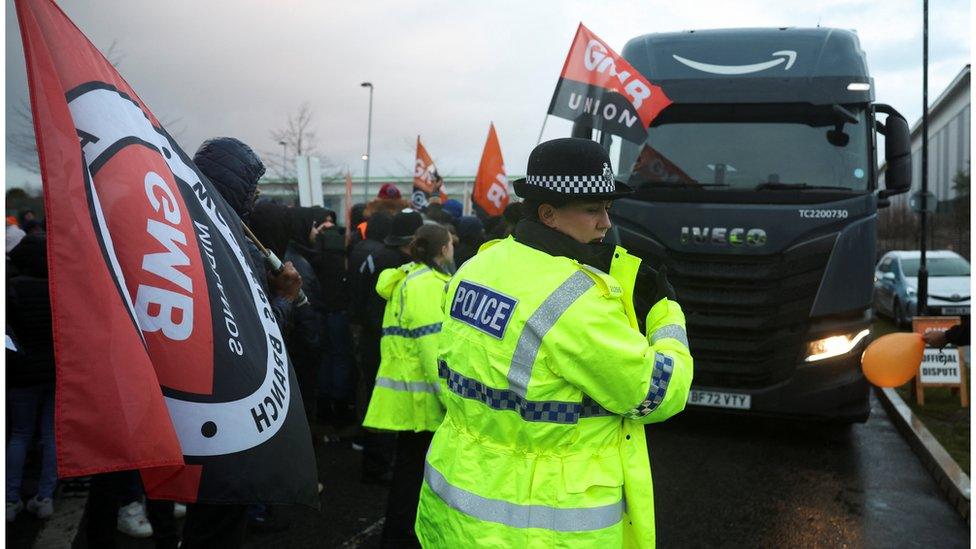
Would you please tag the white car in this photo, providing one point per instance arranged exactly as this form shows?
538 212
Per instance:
896 284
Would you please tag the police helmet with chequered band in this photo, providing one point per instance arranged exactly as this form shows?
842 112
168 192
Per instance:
569 168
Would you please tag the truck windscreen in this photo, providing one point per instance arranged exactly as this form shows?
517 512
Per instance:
766 148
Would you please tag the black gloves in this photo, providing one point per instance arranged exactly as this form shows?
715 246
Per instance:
659 287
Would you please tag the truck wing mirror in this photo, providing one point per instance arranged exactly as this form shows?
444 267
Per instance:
898 152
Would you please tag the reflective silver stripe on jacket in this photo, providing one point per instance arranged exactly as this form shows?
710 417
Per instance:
673 331
407 386
574 519
541 321
409 276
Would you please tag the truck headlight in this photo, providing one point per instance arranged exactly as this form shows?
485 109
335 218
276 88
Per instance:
832 346
911 291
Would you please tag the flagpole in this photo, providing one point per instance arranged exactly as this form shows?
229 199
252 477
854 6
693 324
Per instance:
274 263
544 120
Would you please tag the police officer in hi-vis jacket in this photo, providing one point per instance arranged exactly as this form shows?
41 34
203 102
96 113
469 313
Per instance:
546 377
407 396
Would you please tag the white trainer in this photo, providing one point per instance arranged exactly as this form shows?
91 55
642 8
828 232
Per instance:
179 510
133 522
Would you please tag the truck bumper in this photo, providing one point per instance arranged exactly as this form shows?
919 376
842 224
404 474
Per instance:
832 389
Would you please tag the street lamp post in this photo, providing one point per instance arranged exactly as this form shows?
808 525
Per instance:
369 136
284 163
923 274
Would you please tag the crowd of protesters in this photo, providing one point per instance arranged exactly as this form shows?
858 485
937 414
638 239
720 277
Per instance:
333 342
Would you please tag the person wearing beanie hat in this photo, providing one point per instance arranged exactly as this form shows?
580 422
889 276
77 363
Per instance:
387 200
388 191
471 235
453 207
545 372
404 225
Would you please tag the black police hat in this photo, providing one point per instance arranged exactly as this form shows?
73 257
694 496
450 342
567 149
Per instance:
405 223
570 168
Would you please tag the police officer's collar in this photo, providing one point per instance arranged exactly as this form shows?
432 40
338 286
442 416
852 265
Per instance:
548 240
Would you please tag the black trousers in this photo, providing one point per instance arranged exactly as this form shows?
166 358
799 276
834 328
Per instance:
106 495
378 448
408 476
209 525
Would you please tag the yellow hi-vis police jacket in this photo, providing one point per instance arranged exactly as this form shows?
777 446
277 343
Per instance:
548 384
406 394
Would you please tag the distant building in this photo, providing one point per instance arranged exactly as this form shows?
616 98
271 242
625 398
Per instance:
949 142
949 160
334 190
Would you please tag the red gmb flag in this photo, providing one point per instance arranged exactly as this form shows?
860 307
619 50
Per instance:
426 180
601 89
491 184
168 357
651 165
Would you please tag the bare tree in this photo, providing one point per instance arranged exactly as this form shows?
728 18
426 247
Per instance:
21 146
21 143
296 138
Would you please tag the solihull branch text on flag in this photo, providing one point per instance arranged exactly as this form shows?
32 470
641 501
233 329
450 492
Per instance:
426 180
169 358
602 90
491 183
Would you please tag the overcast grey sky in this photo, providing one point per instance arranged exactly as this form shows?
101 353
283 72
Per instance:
440 69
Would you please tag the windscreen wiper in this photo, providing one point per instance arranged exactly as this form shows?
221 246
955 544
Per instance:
797 186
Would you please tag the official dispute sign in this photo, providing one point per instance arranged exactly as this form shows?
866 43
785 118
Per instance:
940 367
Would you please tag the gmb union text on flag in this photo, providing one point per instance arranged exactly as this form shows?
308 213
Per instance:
426 181
169 358
599 88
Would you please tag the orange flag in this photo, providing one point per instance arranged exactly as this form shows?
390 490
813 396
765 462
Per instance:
491 184
426 180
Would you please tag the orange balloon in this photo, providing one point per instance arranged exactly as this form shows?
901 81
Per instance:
892 360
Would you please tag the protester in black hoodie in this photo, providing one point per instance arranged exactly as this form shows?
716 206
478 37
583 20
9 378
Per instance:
234 170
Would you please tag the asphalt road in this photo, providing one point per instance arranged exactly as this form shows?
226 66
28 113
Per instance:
747 482
720 481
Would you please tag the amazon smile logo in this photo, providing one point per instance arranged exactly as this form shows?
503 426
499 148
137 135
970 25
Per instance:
787 56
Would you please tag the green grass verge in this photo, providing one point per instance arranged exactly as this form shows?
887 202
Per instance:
945 418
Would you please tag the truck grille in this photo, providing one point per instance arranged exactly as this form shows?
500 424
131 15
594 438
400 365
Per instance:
746 315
